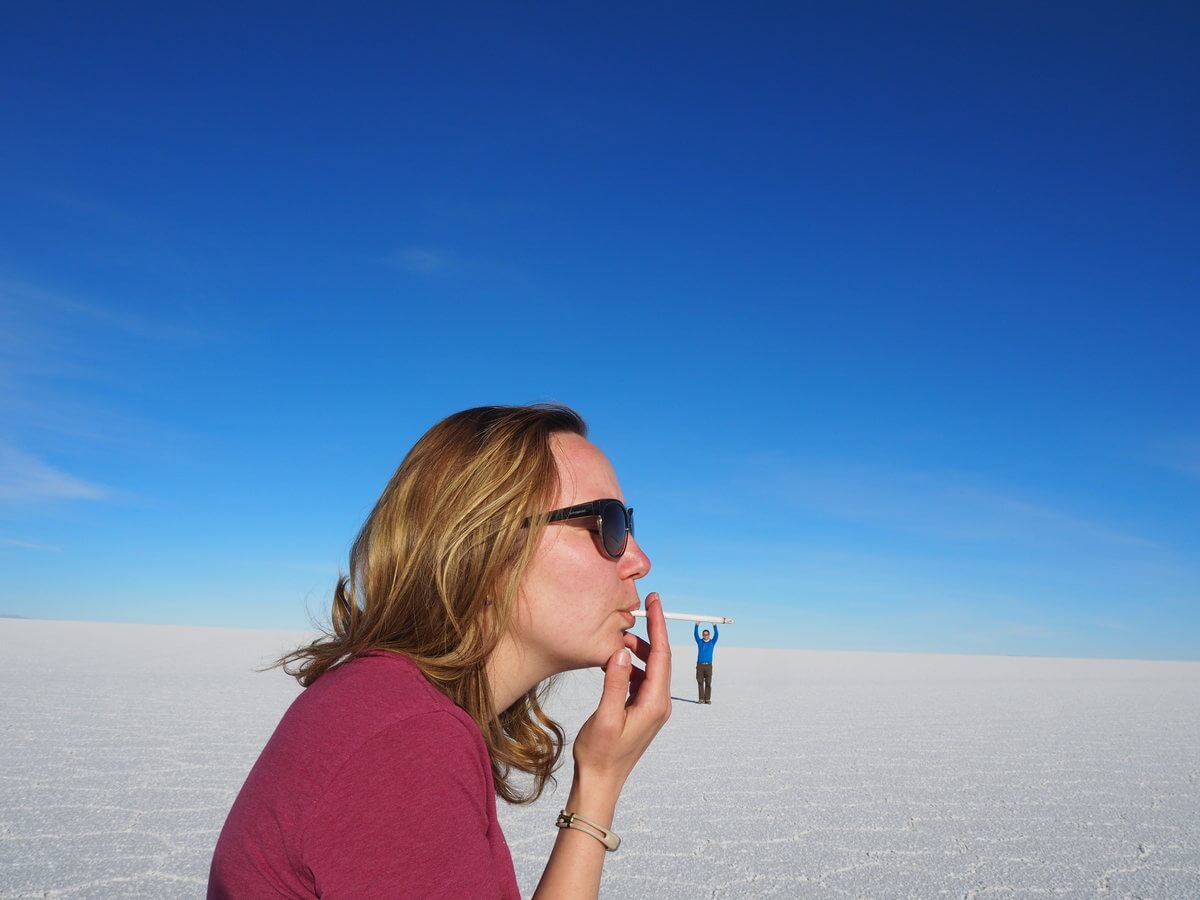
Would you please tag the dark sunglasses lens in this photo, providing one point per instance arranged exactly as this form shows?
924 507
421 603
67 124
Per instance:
613 531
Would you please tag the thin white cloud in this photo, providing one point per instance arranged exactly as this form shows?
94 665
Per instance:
51 344
38 302
423 260
24 477
1181 456
28 545
942 506
437 263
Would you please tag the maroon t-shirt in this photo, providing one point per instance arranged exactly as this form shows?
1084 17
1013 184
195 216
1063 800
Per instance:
374 785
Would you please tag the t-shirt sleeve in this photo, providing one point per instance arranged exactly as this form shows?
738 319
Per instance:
406 816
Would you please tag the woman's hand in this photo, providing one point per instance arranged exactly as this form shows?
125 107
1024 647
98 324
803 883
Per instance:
633 708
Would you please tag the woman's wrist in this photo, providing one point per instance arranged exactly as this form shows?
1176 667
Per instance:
593 799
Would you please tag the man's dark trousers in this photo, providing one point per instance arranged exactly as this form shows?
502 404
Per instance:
704 679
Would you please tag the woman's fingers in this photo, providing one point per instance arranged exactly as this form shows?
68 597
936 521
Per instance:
636 677
634 704
640 648
617 675
658 661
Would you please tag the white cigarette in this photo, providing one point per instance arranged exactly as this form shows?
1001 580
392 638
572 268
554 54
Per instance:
688 617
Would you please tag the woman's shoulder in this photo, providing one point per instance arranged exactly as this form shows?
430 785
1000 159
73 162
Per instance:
375 690
365 699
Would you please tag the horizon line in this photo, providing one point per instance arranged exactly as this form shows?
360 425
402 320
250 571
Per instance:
16 617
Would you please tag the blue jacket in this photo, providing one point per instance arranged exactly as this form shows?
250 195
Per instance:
706 647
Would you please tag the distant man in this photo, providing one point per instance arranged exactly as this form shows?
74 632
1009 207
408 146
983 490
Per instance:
704 644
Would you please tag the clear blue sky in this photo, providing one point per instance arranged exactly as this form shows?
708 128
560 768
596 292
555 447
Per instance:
886 315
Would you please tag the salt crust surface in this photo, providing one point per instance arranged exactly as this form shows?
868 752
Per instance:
811 774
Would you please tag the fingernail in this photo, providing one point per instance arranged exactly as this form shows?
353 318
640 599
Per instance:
623 657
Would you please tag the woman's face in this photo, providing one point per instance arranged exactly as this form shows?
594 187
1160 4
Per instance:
575 602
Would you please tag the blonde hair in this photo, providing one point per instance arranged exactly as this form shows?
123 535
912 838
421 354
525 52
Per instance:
435 573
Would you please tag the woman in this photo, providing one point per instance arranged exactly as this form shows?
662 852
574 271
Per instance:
499 555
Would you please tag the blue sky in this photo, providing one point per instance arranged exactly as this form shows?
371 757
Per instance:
887 317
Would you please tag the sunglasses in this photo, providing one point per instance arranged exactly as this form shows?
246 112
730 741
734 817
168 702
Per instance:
613 522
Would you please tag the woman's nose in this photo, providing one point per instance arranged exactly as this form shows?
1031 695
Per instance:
634 562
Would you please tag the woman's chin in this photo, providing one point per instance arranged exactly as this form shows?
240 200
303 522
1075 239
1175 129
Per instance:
601 653
603 656
618 644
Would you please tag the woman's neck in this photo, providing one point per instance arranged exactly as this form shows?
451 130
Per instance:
512 673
